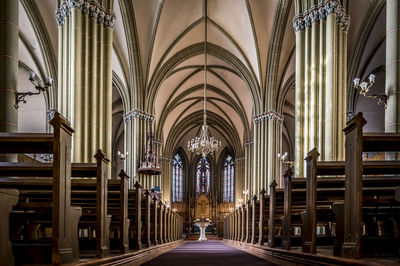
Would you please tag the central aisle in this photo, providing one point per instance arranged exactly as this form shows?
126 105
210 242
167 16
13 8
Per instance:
207 253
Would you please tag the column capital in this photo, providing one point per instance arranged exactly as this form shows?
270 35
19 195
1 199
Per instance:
319 12
240 159
267 116
136 113
87 7
162 158
249 142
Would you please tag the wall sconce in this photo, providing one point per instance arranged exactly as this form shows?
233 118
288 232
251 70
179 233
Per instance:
39 87
284 159
364 87
122 156
166 203
246 192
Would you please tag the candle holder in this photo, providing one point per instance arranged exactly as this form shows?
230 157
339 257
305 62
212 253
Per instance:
364 87
38 86
284 159
122 156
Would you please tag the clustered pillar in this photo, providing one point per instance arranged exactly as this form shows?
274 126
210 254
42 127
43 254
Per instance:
392 113
166 164
266 166
8 68
239 179
321 65
85 73
248 170
137 127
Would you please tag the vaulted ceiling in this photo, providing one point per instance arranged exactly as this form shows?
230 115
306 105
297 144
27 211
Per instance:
158 58
170 40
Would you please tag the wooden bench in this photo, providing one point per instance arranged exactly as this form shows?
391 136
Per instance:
327 193
356 143
118 209
36 196
63 239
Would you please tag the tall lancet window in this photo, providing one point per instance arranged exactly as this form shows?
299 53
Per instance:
229 179
177 179
203 176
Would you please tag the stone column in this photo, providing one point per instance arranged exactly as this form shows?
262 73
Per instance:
321 65
166 178
85 74
8 68
392 113
248 153
266 149
274 147
239 179
137 125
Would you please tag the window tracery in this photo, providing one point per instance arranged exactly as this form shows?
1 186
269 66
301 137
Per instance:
229 179
203 176
177 179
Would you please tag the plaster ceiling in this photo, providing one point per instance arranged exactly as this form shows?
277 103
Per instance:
241 35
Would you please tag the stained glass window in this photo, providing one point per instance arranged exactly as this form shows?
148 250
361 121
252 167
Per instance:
229 179
203 176
177 179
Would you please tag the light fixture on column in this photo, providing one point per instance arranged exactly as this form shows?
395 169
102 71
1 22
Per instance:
122 156
38 86
364 87
245 193
204 143
284 159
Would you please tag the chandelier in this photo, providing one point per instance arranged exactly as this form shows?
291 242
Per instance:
150 165
204 144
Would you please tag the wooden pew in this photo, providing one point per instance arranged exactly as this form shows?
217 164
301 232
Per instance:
135 216
90 193
63 214
248 223
272 210
123 212
255 217
356 143
287 208
327 194
8 199
326 190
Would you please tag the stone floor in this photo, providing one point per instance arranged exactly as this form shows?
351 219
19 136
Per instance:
207 253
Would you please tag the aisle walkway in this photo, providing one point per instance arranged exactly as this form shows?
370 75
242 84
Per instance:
207 253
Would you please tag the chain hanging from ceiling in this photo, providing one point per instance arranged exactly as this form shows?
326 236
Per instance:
204 143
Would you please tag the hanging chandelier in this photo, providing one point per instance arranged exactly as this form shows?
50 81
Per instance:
204 143
150 165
